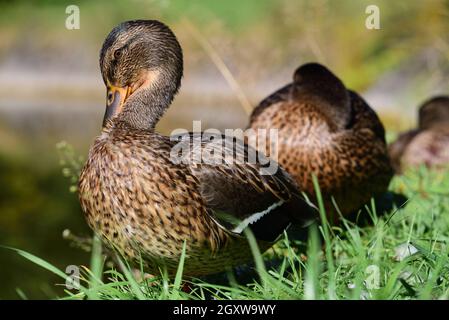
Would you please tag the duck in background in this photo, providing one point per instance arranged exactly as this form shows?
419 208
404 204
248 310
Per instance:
149 202
328 131
428 144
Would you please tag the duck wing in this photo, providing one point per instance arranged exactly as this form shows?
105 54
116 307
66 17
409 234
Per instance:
363 117
242 188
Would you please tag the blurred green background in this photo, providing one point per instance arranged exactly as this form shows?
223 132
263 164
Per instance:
51 90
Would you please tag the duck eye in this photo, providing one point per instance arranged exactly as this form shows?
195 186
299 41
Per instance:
110 97
117 53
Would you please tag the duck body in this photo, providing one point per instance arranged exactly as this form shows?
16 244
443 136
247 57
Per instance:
146 205
428 144
344 149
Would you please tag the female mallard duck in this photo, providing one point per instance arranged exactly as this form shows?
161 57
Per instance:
429 143
144 199
328 131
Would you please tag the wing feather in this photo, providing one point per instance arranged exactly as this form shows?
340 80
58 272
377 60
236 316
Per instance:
240 193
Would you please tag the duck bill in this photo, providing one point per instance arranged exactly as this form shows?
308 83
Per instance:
115 99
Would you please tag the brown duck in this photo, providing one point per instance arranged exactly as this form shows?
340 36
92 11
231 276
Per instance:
429 143
329 131
145 194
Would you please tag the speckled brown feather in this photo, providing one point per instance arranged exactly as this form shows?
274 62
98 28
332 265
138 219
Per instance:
141 203
137 199
350 162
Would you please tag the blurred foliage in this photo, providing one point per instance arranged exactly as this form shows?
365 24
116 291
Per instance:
259 34
71 164
35 207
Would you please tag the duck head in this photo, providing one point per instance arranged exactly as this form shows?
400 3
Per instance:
318 86
434 112
141 65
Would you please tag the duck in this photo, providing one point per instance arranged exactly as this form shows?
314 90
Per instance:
156 198
327 131
428 143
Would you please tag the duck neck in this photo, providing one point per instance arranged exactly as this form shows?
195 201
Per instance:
145 107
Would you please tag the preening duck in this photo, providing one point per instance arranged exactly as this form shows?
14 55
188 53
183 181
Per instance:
146 194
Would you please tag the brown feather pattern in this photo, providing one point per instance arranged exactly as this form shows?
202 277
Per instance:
137 199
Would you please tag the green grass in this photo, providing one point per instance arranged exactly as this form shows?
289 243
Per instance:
351 263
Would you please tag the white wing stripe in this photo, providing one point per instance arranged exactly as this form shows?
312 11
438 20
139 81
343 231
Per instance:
255 216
